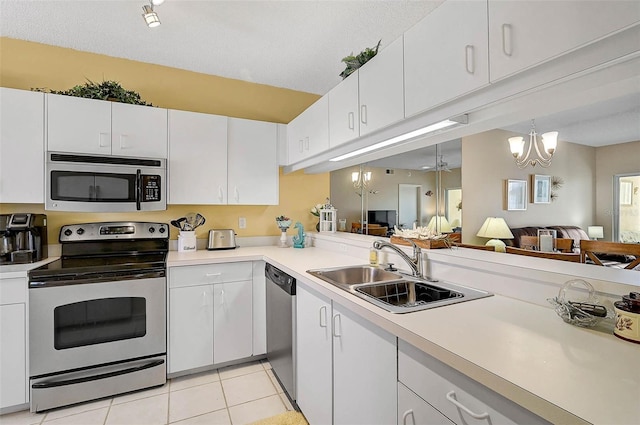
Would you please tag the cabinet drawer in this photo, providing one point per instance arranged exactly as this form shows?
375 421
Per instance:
412 410
454 394
209 274
13 290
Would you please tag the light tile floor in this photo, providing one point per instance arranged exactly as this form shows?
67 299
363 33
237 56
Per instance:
233 395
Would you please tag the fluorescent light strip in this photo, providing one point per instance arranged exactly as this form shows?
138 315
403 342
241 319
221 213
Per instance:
419 132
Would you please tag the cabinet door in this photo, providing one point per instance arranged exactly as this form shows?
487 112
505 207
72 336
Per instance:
382 89
412 410
259 309
524 34
313 351
364 385
344 117
233 327
21 146
309 133
252 162
78 125
139 131
190 327
443 61
197 158
13 361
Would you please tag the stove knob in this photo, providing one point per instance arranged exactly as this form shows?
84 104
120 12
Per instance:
162 229
152 229
68 232
80 231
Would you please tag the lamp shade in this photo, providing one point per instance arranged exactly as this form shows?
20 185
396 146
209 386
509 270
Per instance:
550 141
495 228
516 145
595 232
439 224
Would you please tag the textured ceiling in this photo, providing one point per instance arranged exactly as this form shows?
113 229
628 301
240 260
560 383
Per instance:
292 44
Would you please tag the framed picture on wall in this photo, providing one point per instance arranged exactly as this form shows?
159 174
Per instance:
540 189
516 195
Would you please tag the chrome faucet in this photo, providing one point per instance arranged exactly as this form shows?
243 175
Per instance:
415 263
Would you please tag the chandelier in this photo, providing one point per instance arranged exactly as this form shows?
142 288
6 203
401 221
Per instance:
549 142
361 179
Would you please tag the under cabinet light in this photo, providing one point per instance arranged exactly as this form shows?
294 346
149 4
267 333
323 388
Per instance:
463 119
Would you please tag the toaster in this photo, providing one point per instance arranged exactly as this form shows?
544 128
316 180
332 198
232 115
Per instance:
221 239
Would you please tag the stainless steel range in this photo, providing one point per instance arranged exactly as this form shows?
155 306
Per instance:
97 316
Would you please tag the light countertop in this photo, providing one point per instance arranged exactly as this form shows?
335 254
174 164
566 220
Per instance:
523 351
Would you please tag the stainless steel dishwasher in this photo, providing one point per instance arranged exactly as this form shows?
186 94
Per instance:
281 327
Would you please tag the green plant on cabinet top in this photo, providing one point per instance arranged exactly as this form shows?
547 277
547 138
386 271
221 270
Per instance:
106 90
355 62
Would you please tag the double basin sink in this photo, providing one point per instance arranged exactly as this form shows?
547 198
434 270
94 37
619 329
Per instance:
394 291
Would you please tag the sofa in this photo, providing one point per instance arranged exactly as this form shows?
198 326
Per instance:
572 232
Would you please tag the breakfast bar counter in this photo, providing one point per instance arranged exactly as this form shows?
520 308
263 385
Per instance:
523 351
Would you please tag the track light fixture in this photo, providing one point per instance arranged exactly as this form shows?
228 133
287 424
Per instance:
149 15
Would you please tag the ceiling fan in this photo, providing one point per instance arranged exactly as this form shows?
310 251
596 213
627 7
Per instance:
443 166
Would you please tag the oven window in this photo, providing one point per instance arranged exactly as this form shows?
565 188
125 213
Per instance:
92 187
98 321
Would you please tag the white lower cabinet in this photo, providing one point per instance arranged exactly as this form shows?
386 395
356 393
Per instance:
232 321
13 342
210 315
336 370
190 327
412 410
459 398
314 384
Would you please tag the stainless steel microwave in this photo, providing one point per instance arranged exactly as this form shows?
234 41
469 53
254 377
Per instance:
104 183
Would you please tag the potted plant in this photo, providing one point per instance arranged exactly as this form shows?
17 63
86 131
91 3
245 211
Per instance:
106 90
283 224
355 62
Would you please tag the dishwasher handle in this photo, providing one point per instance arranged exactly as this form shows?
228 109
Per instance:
281 279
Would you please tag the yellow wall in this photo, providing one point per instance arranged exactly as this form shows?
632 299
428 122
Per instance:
24 65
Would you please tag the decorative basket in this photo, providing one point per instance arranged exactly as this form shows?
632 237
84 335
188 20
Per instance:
576 308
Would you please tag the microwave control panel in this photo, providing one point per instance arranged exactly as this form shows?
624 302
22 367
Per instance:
150 188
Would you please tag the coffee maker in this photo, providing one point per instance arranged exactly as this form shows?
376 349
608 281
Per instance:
23 238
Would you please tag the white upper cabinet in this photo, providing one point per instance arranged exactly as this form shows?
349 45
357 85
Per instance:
89 126
381 89
75 124
21 146
524 34
443 60
252 162
308 133
344 115
197 158
138 131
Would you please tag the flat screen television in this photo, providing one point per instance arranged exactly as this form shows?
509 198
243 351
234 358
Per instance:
382 217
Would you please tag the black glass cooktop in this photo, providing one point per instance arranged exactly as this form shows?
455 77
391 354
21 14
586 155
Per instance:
116 267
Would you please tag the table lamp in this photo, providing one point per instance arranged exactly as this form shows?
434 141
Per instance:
595 232
495 228
439 224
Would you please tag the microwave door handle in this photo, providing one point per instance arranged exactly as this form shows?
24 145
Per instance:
138 189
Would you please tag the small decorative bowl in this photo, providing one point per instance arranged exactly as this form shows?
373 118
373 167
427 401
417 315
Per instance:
578 308
283 224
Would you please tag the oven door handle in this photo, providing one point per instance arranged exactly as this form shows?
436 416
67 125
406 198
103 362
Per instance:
138 189
52 384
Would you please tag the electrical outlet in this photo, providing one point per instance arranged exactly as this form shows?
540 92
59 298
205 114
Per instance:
242 222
